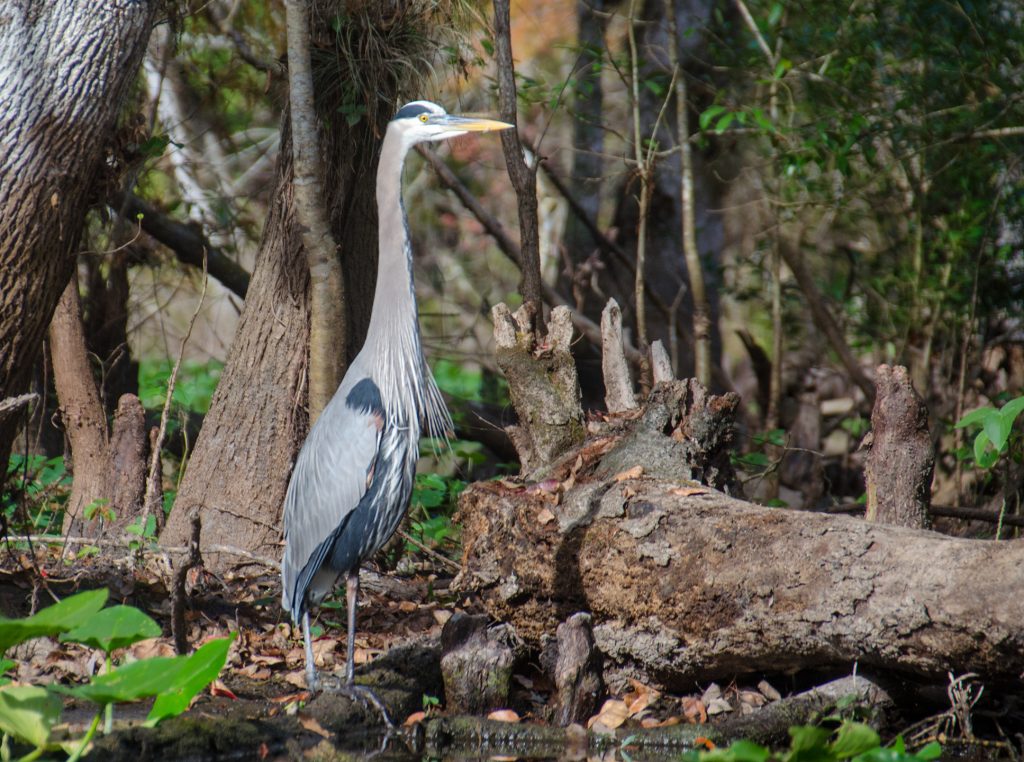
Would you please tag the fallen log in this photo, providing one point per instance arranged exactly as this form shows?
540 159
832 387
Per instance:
685 583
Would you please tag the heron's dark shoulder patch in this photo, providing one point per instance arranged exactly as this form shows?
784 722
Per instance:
365 396
410 110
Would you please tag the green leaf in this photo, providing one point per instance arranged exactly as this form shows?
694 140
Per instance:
930 751
709 114
140 679
982 455
998 431
747 751
154 146
29 712
199 670
60 617
808 738
1012 409
116 627
854 738
723 124
975 417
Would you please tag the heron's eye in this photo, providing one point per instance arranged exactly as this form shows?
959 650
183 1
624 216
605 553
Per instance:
423 118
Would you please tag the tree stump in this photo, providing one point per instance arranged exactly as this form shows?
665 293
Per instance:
476 664
902 457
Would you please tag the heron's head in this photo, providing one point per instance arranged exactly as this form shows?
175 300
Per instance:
421 121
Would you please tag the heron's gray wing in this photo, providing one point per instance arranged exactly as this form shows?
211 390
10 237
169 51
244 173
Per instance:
331 475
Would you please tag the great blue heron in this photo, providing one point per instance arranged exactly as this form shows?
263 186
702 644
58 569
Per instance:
353 477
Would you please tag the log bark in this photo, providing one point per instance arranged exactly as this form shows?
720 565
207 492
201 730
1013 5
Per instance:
688 584
66 68
902 456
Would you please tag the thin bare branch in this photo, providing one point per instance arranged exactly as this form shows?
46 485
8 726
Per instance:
524 178
328 330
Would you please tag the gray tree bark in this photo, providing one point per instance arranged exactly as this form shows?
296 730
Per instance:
66 67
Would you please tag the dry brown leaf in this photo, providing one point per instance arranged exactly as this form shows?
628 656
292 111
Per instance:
651 722
297 678
217 688
640 698
254 672
503 715
545 517
365 655
630 473
613 713
147 649
687 491
268 660
407 607
310 724
441 616
415 717
694 710
291 697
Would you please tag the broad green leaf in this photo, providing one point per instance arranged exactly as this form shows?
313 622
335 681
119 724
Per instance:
29 712
807 737
60 617
998 431
982 455
116 627
139 679
975 417
1012 409
199 670
747 751
854 738
930 751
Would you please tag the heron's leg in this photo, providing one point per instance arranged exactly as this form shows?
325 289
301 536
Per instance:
357 692
311 679
351 596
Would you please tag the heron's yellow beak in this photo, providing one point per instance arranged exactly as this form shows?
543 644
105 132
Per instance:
472 123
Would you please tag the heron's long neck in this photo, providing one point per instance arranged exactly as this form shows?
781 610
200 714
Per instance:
393 334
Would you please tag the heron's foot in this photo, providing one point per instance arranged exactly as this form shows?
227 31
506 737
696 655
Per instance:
358 693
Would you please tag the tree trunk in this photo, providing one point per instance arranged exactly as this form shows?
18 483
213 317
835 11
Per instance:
239 469
65 69
85 422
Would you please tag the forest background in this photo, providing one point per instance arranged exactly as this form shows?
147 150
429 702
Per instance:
784 194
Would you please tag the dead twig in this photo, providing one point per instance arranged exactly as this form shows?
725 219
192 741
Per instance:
153 505
178 593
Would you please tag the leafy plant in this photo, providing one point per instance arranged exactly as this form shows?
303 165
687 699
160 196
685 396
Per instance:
434 500
809 743
996 427
41 484
28 713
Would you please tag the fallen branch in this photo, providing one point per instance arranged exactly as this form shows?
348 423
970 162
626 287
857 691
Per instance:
178 592
186 241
